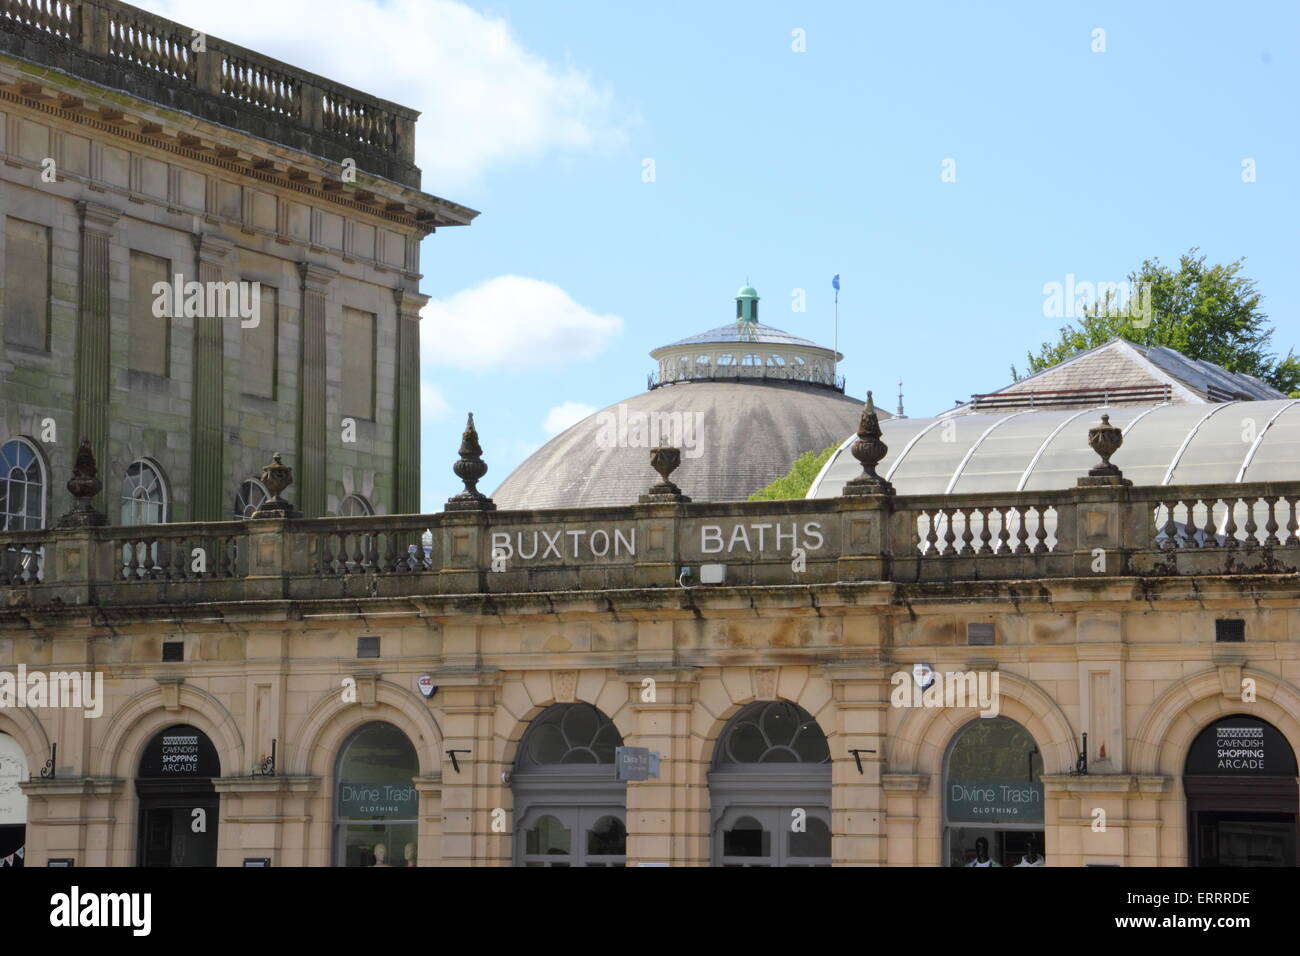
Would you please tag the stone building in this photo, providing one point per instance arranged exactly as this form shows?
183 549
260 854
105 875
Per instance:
1100 674
137 152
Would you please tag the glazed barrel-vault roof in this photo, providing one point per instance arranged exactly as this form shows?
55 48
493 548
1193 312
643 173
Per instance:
1028 449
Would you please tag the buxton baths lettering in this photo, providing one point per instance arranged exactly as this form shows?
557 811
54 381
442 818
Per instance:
1240 748
754 537
581 543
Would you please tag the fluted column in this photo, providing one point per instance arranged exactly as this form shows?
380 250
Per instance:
310 470
207 471
93 331
406 436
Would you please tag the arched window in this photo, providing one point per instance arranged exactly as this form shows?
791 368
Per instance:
570 808
993 796
775 361
13 802
770 788
23 485
251 494
144 494
376 805
355 506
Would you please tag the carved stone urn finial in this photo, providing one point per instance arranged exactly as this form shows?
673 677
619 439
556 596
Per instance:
664 459
1105 439
83 486
470 469
276 476
869 450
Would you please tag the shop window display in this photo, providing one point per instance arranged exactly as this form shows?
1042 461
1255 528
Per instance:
993 796
376 803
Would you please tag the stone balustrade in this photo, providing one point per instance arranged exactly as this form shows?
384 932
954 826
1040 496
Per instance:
123 47
1085 532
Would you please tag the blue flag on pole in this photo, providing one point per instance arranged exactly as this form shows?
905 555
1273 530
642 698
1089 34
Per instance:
835 283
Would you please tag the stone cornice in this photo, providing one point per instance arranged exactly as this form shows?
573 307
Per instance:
96 217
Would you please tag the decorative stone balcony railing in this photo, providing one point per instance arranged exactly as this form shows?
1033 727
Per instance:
125 48
1086 532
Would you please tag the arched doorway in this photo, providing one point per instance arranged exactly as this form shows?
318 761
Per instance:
376 805
993 796
570 808
179 806
770 789
1240 783
13 802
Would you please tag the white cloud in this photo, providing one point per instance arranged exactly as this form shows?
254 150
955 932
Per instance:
565 414
433 404
512 322
484 99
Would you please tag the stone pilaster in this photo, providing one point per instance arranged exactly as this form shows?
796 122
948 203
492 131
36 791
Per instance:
310 475
475 804
207 472
859 812
668 816
93 332
406 431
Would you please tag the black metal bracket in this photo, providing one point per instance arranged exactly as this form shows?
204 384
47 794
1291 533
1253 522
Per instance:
49 769
452 755
1081 765
267 767
858 758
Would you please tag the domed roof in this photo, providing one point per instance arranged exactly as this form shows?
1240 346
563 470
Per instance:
747 292
1029 449
736 437
742 333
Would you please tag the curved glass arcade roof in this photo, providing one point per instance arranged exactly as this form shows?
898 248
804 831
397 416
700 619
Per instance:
1030 450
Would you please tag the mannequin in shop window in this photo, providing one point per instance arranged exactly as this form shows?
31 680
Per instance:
381 855
1031 856
982 857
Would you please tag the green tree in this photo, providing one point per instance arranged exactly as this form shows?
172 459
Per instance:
1205 312
798 480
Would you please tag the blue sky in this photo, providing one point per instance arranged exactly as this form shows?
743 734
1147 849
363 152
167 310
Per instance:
783 168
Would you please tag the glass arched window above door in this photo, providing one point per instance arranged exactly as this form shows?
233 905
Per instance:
775 731
770 788
144 496
569 734
23 486
570 807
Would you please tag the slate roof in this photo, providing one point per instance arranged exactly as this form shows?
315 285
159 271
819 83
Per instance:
1121 364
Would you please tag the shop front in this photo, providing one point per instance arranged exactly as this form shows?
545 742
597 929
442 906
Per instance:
179 806
376 803
993 796
1240 785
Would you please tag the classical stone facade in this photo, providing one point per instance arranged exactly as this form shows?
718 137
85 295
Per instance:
132 157
791 685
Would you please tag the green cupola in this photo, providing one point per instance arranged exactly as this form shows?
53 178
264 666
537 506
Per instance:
747 305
